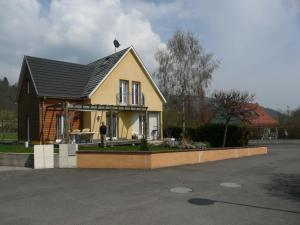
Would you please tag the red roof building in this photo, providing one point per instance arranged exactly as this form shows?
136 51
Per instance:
261 124
260 117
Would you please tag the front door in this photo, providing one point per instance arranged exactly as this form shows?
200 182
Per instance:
112 123
153 125
138 125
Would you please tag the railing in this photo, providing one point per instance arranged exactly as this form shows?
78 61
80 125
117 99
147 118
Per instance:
130 99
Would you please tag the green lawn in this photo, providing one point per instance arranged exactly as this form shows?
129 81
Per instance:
8 136
16 148
19 148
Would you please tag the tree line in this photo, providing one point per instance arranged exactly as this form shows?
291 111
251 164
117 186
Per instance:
8 95
8 106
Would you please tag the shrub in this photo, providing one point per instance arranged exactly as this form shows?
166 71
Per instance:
172 132
144 145
207 144
213 134
293 132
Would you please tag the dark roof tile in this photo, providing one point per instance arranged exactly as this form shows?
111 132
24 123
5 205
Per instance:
69 80
101 68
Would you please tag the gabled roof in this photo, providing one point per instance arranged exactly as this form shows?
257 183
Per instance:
58 79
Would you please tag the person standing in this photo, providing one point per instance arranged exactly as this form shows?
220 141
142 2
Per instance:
103 130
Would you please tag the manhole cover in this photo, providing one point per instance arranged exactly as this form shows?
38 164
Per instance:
230 185
181 190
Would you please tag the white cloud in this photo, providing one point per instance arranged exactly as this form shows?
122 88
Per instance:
257 40
79 31
155 10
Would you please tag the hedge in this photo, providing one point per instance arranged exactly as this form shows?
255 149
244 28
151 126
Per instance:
293 132
212 133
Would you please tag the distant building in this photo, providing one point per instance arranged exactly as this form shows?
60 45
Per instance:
260 124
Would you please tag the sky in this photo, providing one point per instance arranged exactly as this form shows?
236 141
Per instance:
256 41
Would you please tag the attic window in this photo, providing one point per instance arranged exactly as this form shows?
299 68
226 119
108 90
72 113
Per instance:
28 87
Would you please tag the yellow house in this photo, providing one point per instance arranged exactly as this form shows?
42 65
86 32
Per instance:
128 83
59 99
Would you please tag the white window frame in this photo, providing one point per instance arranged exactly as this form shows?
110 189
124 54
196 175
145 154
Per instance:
123 95
142 120
136 92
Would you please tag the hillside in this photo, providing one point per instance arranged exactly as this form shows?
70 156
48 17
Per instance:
274 113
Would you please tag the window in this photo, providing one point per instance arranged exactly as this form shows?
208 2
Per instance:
136 93
123 94
142 119
112 123
28 87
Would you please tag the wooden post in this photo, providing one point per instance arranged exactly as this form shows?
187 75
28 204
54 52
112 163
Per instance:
66 123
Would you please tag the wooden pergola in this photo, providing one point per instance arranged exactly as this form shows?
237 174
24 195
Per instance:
67 106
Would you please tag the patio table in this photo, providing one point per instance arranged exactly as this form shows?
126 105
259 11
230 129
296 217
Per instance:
77 136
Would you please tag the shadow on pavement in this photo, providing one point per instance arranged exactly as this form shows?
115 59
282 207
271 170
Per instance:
285 186
205 202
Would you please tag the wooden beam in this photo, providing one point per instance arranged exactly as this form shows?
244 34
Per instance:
97 107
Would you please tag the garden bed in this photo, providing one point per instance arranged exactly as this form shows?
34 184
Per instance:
125 148
159 158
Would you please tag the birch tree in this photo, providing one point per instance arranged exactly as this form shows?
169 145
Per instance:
185 69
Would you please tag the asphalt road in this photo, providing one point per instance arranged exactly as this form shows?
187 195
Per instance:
266 191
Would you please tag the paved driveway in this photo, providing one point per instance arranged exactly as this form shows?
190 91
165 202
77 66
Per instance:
255 190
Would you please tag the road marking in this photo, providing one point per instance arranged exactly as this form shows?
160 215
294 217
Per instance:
230 185
181 190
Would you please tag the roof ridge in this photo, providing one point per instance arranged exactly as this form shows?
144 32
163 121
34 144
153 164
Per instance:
55 60
125 49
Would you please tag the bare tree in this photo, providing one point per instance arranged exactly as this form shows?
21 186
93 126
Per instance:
185 69
232 104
